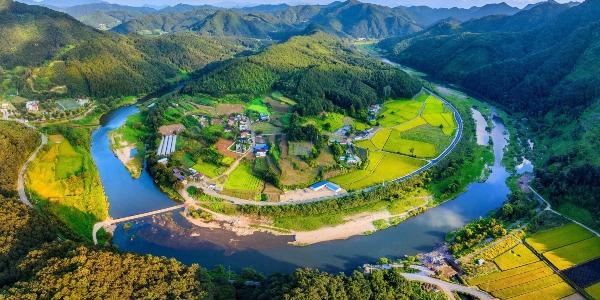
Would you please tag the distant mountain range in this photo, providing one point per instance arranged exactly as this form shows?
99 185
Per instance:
350 18
543 64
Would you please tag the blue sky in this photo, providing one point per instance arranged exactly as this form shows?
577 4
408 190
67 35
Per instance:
392 3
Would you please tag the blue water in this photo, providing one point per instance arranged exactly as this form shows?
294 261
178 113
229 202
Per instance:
127 196
172 236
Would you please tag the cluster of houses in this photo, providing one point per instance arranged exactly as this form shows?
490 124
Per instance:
374 111
32 106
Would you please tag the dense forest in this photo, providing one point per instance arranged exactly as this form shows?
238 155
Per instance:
16 142
541 64
65 56
345 19
318 70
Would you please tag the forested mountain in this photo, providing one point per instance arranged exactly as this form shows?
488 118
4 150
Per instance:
32 34
426 16
350 18
166 22
230 23
543 64
317 70
106 15
64 53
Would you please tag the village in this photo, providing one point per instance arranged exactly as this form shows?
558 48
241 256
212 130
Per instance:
18 107
253 140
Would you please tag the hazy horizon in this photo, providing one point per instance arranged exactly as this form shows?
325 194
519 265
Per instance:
391 3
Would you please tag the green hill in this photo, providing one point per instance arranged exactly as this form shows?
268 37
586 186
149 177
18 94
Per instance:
48 53
542 65
317 70
32 34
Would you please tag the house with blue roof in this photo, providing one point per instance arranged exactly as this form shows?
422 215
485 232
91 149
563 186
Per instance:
260 150
326 184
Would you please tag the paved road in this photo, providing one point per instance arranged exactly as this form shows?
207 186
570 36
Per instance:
448 287
21 178
99 225
549 208
429 165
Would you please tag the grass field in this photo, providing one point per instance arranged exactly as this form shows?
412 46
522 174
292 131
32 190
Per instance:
241 180
397 144
558 237
574 254
258 105
209 169
438 115
331 121
300 148
396 112
64 181
594 290
382 167
518 256
67 104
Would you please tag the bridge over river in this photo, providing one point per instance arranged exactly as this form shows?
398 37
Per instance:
108 223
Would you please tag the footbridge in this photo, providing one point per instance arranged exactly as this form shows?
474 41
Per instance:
111 222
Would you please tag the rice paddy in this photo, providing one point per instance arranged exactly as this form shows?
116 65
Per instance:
558 237
242 182
574 254
518 256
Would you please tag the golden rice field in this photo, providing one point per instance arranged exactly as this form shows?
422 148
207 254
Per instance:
63 178
558 237
522 276
574 254
518 256
382 167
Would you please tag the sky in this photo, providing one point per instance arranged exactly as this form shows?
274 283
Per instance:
391 3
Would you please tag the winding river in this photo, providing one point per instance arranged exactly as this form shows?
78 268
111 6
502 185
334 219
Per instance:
171 235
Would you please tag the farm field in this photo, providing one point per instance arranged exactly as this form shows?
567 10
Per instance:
64 180
396 144
594 290
585 274
67 104
518 256
258 105
521 274
331 121
382 167
396 112
241 182
209 169
574 254
558 237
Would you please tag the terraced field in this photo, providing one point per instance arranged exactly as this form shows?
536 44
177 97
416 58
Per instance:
406 138
522 276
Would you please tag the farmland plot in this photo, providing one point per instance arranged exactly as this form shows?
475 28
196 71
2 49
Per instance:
558 237
518 256
574 254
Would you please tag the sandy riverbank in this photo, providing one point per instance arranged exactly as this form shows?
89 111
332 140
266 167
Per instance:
123 152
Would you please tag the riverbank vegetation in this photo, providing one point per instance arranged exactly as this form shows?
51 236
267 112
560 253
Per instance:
543 74
127 142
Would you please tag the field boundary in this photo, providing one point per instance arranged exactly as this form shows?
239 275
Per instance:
427 166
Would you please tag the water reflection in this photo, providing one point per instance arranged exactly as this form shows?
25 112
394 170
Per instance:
170 235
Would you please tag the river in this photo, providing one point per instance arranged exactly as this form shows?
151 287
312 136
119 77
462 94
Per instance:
171 235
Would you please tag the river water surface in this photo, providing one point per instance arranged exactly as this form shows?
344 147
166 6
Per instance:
171 235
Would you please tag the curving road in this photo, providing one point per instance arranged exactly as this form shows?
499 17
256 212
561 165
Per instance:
429 165
21 178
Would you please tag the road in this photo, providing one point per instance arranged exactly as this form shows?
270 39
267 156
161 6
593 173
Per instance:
106 223
549 208
21 178
429 165
448 287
